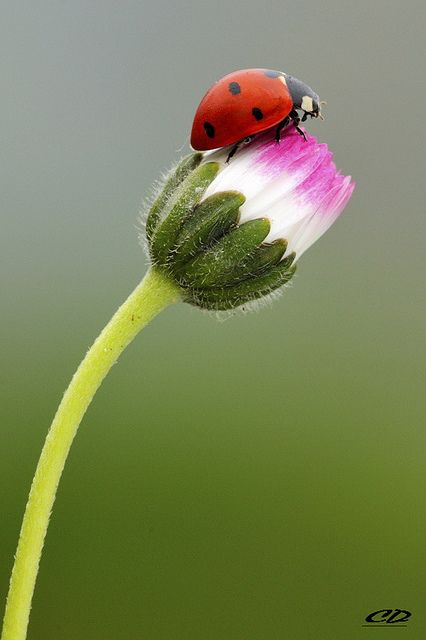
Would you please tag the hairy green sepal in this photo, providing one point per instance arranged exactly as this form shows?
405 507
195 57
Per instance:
175 178
253 288
216 265
212 219
179 207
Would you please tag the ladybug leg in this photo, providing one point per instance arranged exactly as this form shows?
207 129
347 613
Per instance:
299 130
280 127
234 150
296 120
237 145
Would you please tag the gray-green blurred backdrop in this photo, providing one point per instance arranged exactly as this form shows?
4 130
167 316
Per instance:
254 479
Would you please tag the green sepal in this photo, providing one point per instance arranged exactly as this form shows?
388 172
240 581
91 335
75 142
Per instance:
256 263
288 260
180 206
215 265
178 175
211 220
224 298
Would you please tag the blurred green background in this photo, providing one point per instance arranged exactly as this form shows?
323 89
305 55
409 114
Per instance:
252 479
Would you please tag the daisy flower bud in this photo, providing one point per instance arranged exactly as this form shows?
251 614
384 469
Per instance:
231 233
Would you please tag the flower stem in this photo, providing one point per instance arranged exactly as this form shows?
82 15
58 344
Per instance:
153 294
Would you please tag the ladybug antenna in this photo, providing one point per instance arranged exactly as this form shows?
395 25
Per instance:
322 104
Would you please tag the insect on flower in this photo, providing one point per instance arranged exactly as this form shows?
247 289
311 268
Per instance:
247 102
219 236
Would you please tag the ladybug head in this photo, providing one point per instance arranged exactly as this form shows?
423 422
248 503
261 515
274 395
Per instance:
304 98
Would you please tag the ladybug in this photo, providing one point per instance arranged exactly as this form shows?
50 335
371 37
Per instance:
246 102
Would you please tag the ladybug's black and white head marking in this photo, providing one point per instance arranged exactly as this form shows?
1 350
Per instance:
304 98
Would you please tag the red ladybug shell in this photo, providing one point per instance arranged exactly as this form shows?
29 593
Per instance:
239 105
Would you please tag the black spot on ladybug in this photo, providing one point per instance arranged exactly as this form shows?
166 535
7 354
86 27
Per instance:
273 74
257 113
209 129
234 88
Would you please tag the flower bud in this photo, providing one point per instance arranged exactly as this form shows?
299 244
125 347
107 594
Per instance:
231 233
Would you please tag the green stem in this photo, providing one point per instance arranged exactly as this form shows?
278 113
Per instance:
153 294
